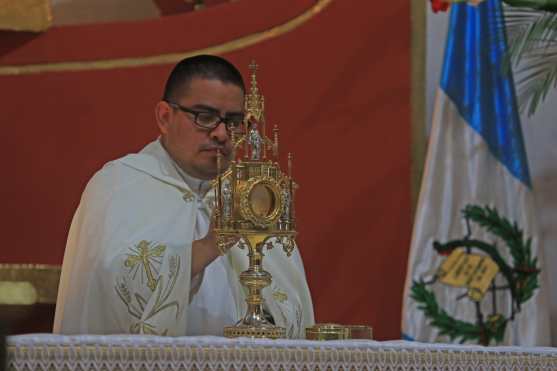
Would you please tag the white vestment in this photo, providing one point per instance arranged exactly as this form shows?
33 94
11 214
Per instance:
127 264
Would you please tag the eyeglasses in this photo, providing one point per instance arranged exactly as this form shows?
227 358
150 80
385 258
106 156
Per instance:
207 120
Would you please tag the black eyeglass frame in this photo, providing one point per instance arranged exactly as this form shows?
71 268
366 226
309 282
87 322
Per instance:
230 125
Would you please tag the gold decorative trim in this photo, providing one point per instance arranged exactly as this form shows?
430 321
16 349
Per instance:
418 134
44 278
25 15
169 58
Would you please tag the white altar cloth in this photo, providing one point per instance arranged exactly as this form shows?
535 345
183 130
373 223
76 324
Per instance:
47 352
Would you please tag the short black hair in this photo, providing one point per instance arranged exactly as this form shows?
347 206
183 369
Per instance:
200 66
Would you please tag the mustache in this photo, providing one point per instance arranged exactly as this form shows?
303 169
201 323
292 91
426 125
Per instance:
215 147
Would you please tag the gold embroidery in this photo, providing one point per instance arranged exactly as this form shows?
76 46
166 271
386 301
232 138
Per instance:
188 196
142 327
146 257
280 296
137 304
294 329
163 292
124 295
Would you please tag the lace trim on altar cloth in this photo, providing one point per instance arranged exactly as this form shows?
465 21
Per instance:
43 352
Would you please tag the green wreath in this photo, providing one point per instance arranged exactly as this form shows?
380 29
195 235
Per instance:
522 278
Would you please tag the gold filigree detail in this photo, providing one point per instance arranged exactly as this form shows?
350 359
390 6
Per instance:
247 202
288 245
254 332
222 245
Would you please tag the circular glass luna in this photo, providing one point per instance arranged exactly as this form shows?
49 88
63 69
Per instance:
262 200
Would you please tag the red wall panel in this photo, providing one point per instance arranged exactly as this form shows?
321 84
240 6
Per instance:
338 86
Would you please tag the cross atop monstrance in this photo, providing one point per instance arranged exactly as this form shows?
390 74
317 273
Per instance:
255 102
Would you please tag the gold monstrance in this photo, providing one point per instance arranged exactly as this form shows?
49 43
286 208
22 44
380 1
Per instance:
255 204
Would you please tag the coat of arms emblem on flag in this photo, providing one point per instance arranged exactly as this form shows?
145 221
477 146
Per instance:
471 266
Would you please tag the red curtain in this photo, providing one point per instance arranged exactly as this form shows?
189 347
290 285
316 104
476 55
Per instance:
338 86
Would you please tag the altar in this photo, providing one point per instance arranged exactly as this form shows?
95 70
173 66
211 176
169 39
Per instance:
42 352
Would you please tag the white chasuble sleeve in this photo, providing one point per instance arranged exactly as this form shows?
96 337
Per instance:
127 264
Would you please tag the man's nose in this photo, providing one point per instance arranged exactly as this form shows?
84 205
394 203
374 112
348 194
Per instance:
220 134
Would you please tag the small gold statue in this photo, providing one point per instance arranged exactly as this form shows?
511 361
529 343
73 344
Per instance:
255 205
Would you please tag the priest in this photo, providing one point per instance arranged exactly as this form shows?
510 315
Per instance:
141 256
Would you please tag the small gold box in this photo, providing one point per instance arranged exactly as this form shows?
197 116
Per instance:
360 332
333 331
327 331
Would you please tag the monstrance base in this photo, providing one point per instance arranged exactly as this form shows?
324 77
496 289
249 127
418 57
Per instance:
268 332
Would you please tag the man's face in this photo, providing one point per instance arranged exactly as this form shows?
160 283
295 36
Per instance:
195 149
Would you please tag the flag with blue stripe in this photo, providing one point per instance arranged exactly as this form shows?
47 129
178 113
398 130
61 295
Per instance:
476 176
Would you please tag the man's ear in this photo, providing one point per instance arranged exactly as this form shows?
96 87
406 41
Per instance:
163 114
